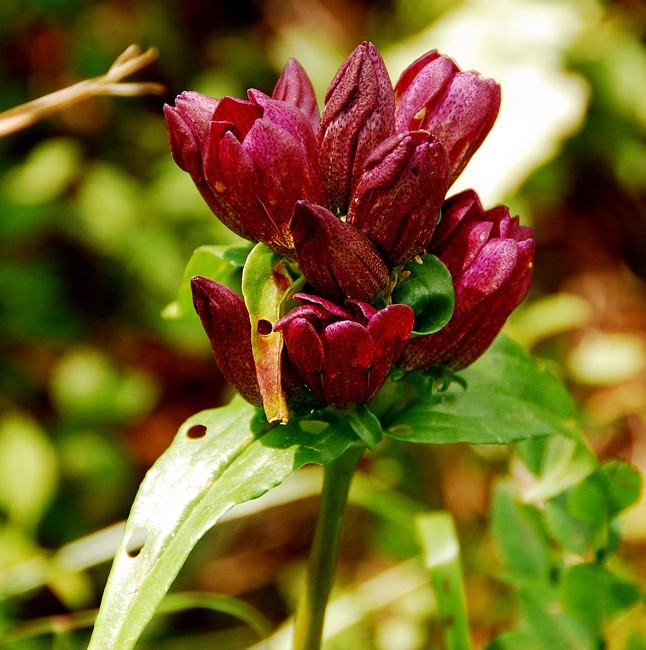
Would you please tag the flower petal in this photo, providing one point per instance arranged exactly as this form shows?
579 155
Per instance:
295 87
226 322
338 260
390 330
348 354
358 115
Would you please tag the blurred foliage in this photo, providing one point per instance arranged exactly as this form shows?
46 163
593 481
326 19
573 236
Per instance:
97 225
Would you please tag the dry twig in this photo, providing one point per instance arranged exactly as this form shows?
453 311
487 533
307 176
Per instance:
130 61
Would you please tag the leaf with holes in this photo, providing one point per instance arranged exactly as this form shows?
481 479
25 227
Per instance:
219 458
268 282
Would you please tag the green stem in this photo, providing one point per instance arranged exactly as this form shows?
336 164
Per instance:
310 614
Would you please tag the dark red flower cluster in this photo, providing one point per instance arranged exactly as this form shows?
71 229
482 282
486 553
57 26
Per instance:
349 198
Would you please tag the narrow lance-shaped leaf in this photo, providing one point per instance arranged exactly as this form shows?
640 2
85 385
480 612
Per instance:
441 553
220 458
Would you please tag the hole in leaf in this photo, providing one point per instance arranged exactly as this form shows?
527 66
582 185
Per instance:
136 542
196 431
264 327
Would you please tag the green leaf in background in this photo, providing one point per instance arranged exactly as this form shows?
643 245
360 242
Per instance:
48 171
219 458
565 529
519 536
172 603
28 470
87 386
514 640
624 485
429 291
593 595
560 462
509 398
603 495
220 263
541 616
441 552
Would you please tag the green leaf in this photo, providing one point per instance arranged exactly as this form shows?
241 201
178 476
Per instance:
181 601
28 469
219 458
624 485
220 263
176 602
519 536
564 462
429 291
509 398
542 617
514 640
50 168
570 532
593 595
267 285
441 552
588 502
603 495
365 425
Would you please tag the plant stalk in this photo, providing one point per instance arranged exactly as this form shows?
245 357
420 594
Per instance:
310 613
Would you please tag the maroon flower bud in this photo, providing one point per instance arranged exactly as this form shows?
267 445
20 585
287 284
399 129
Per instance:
344 354
256 158
189 123
358 115
226 322
458 108
490 257
397 199
188 129
337 260
295 87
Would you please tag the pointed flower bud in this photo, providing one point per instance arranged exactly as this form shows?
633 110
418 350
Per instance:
397 199
188 129
490 257
295 87
458 108
256 158
358 115
189 123
337 260
344 353
226 322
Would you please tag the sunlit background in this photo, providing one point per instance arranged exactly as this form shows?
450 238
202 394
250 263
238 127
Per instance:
97 224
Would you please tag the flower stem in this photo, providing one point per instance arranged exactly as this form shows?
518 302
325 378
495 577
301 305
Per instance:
310 614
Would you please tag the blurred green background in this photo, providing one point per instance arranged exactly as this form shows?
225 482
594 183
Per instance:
97 224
